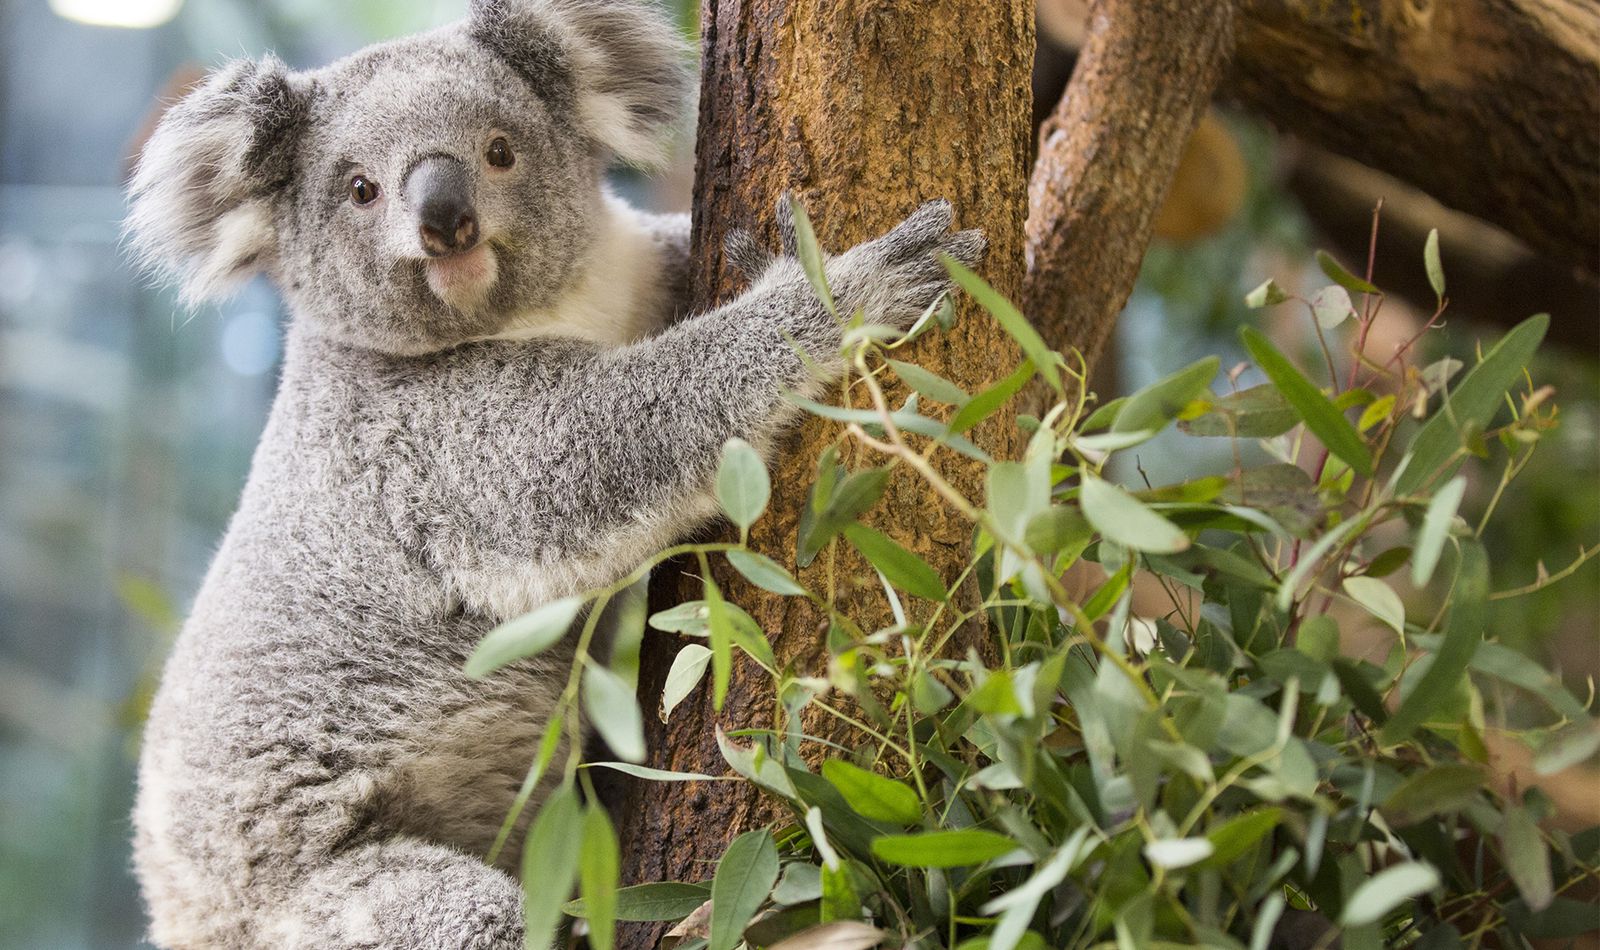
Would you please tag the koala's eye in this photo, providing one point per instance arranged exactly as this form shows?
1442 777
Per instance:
363 190
499 154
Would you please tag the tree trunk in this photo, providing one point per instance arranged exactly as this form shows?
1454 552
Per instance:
1107 156
864 109
1489 105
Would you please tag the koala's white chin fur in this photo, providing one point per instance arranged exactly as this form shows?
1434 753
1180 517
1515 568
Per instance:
463 280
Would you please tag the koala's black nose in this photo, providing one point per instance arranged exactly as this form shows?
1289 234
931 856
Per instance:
440 190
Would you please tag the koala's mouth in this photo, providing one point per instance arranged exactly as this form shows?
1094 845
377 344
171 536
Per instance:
463 280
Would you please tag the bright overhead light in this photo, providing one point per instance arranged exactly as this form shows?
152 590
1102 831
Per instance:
133 14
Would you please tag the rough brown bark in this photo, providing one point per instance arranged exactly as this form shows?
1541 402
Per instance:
1107 156
864 108
1491 106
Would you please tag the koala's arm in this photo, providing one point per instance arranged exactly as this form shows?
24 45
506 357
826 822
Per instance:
564 453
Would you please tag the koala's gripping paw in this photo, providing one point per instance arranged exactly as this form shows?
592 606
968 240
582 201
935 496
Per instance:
895 278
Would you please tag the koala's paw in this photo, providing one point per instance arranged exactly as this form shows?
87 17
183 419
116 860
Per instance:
897 277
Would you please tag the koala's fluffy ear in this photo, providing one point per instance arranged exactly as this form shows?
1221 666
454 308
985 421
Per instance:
622 62
202 191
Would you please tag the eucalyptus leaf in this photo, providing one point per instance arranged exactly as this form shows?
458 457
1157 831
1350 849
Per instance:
1430 261
1317 411
743 486
613 710
1527 859
1387 890
667 900
744 878
599 869
764 572
1379 600
550 856
1159 403
688 668
1122 518
1472 404
873 796
1435 529
899 566
523 637
1463 633
930 384
1009 317
1331 306
1337 273
942 849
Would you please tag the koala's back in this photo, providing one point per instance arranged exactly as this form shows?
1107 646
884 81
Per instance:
315 698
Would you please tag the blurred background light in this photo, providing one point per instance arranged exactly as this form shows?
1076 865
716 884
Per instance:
131 14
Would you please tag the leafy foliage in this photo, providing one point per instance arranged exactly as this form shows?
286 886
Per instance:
1197 774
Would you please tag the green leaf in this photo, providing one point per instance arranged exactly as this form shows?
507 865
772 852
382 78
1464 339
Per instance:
765 573
1318 638
1435 529
614 711
721 628
1175 853
524 636
1331 307
744 878
1342 277
1057 529
668 900
929 384
1387 890
900 567
1266 294
986 403
943 849
1122 518
1009 317
1576 743
689 617
853 497
1463 633
1439 790
550 856
599 868
688 668
1377 411
1472 404
649 774
1259 412
834 935
874 796
1430 260
1527 859
1379 600
1159 403
1234 837
743 486
810 254
1324 421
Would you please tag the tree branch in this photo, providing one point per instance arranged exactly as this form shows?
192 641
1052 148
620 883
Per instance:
1107 156
1488 105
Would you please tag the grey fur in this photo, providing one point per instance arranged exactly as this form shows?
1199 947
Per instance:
317 772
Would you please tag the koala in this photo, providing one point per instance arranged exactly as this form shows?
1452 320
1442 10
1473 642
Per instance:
491 397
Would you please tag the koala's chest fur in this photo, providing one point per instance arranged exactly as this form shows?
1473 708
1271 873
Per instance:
622 295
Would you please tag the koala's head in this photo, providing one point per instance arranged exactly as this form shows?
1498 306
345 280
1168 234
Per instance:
419 192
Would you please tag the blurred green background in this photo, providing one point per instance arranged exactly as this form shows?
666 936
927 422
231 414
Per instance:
126 424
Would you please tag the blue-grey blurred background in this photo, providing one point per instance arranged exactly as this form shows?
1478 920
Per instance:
126 423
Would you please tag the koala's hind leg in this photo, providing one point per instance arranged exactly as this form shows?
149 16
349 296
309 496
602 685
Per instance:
402 894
